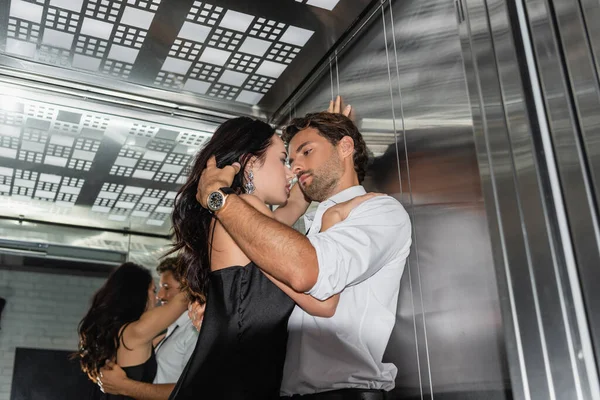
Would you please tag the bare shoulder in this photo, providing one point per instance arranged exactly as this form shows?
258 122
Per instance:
256 203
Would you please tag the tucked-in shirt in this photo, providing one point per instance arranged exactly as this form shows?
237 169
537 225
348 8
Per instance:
173 353
363 258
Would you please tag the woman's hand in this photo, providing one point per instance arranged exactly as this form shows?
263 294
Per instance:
340 211
196 314
296 205
297 197
112 379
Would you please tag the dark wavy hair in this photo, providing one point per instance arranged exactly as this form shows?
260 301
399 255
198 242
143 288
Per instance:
122 299
236 140
332 127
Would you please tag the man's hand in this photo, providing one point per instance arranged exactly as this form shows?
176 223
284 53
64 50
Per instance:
335 107
214 178
112 379
196 314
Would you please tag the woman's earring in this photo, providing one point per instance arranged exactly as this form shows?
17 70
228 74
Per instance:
249 186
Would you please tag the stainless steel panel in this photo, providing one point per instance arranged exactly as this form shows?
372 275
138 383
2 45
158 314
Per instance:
489 190
568 117
403 73
143 250
553 299
235 54
514 266
581 68
590 10
545 339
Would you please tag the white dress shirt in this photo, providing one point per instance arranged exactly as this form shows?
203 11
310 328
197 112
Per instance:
173 353
363 257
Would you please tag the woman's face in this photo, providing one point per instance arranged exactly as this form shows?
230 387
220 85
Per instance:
151 302
272 178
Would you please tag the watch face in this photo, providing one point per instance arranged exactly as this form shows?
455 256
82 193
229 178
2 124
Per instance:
215 201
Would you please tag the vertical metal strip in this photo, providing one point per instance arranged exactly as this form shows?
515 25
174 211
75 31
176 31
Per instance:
408 266
559 209
331 77
411 201
494 184
337 72
527 246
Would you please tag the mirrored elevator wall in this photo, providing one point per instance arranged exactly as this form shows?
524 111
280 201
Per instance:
403 73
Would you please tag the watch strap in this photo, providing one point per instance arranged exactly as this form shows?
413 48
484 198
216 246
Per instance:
227 190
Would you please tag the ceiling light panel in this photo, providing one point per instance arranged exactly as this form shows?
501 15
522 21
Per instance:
213 44
92 35
234 56
325 4
50 163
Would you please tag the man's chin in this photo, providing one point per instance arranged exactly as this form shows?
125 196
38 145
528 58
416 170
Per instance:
306 192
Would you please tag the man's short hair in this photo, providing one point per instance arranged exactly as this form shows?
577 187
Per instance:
170 264
332 127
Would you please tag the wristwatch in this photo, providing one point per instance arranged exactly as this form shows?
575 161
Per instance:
216 200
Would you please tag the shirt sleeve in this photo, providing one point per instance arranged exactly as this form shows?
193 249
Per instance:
356 248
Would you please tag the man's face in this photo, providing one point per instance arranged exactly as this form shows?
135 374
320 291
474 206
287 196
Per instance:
317 164
169 287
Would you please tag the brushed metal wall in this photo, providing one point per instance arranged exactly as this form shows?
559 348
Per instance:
521 135
567 51
404 75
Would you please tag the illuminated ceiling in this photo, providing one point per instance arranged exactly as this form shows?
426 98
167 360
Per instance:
105 103
231 52
81 167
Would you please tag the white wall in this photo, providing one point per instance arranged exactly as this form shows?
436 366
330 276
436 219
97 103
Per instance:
42 311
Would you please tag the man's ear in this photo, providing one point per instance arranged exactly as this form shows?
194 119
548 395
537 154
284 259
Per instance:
346 147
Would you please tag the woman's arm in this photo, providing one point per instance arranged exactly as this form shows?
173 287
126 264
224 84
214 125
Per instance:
340 212
158 339
312 306
293 209
154 321
115 381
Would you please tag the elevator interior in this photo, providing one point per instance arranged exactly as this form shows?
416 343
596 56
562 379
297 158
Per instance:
480 116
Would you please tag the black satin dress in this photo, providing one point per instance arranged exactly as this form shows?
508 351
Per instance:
240 351
142 373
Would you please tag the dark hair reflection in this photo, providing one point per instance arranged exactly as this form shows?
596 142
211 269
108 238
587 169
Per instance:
122 299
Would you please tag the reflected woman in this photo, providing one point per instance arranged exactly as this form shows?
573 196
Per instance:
121 324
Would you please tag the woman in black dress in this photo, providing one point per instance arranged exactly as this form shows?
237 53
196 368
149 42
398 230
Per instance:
121 324
241 347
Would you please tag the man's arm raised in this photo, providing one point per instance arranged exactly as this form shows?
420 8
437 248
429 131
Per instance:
115 381
279 250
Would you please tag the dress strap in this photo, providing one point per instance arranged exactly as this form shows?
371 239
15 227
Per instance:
121 335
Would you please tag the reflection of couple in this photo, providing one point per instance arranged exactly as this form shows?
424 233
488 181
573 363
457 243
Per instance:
307 315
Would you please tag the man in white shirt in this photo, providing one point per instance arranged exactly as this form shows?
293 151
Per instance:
173 350
362 258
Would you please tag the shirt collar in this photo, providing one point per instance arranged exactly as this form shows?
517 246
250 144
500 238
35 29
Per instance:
347 194
183 318
344 195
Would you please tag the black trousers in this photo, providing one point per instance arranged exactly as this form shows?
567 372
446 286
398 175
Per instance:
342 394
